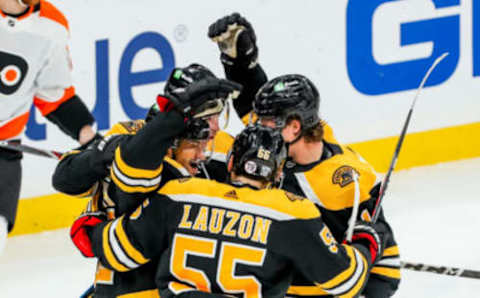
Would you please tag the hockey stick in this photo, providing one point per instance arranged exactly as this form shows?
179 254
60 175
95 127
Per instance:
444 270
29 149
383 187
356 203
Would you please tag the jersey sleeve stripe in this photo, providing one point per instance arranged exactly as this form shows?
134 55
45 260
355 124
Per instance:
359 285
131 251
179 288
13 127
307 291
135 181
107 250
133 172
346 281
46 106
389 261
391 251
388 272
119 250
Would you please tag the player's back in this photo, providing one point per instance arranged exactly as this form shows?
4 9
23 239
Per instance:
224 238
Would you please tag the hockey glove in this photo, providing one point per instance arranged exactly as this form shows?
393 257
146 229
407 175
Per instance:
372 236
202 98
103 152
80 228
236 40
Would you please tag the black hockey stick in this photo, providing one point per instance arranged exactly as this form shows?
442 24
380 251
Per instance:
31 150
385 181
444 270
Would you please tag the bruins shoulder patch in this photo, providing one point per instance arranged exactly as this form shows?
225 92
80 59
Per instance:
133 126
343 175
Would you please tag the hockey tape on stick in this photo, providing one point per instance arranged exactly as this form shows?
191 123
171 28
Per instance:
444 270
356 202
385 181
31 150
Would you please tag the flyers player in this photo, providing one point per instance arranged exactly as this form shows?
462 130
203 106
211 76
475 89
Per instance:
236 238
319 167
35 68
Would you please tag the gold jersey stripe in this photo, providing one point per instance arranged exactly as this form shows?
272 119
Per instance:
389 272
109 252
142 294
135 172
391 251
71 152
129 189
306 291
178 288
131 251
346 274
355 290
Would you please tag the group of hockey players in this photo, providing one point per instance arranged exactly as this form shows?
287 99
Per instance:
178 207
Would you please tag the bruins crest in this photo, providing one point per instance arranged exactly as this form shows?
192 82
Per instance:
343 176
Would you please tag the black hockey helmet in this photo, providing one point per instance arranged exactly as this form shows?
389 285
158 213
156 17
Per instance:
287 96
180 78
258 153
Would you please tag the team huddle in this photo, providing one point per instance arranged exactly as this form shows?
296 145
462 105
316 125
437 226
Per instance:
179 208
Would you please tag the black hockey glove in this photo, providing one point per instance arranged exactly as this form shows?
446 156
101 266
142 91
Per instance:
200 99
372 236
236 40
103 152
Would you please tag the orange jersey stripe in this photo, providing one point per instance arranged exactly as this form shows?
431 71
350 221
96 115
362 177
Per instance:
47 107
49 11
14 127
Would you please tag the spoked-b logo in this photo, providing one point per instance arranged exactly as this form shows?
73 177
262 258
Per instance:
13 70
392 43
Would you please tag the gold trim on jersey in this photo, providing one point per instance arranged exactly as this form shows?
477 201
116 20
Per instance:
130 179
142 294
71 152
349 282
130 250
267 202
108 252
118 250
177 166
179 288
391 251
386 271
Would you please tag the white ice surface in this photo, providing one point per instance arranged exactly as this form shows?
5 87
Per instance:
434 211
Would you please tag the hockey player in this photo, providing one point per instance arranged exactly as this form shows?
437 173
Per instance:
35 67
236 238
319 167
140 165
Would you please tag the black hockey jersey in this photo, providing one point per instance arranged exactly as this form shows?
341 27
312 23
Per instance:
222 238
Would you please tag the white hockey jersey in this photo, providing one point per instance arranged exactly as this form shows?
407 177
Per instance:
35 66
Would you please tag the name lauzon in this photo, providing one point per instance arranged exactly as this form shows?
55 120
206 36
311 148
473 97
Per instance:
218 220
